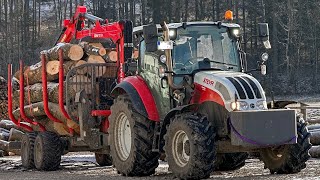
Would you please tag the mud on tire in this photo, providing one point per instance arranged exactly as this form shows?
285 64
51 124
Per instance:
190 146
230 161
47 151
27 150
136 159
293 157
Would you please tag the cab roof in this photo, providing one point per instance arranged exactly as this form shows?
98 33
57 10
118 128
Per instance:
139 29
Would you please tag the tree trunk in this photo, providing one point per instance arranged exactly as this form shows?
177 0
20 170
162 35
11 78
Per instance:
315 137
82 79
83 70
4 136
99 71
90 49
53 67
70 52
315 151
37 110
34 93
4 130
314 127
15 135
33 74
4 145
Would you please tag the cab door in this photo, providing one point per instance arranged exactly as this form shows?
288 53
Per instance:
151 69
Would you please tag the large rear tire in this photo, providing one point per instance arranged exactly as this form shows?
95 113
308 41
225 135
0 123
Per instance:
288 159
47 151
27 150
230 161
190 146
103 159
131 137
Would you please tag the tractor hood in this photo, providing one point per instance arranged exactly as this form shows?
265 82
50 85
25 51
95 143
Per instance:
226 87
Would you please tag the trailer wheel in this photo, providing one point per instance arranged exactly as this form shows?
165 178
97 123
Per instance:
190 146
103 159
47 151
288 159
27 150
230 161
131 137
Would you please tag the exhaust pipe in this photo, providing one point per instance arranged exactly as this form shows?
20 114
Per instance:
169 58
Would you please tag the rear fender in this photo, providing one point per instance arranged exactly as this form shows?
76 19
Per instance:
140 96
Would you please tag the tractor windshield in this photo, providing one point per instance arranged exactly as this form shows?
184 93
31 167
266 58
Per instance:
204 47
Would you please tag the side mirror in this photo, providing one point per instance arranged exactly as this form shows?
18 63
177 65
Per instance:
264 34
150 33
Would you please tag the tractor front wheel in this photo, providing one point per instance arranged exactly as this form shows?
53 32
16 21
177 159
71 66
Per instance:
288 159
47 151
131 137
190 146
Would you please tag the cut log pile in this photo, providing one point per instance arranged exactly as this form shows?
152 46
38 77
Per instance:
3 99
315 140
74 55
9 132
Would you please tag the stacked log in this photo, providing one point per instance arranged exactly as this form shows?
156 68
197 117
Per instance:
74 55
9 132
3 99
315 140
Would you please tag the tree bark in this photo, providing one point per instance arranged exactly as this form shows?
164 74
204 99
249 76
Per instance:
53 67
315 137
83 70
33 74
82 79
4 136
90 49
315 151
70 52
37 110
15 135
36 93
4 145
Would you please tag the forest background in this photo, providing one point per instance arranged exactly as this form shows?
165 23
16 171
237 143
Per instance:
29 26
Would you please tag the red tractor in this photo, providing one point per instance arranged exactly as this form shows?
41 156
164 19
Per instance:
193 100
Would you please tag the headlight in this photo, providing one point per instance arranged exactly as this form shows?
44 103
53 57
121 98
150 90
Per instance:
239 105
236 32
264 56
235 106
261 105
163 59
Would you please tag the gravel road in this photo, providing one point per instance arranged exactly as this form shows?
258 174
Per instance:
82 166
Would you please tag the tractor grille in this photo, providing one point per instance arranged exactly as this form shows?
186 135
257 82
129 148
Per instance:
245 87
254 87
97 80
240 90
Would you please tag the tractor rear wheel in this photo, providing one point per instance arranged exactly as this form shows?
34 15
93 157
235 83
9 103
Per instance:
288 159
230 161
190 146
47 151
27 150
103 159
131 137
